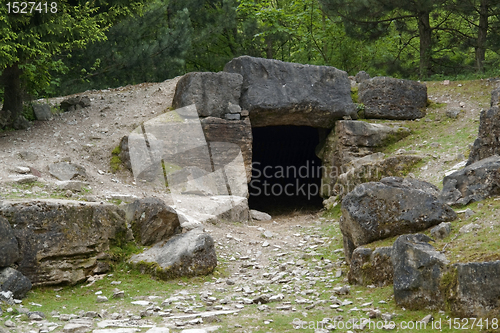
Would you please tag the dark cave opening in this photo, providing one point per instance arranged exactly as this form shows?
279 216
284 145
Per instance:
286 173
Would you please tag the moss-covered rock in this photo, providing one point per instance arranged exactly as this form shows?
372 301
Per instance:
371 267
189 254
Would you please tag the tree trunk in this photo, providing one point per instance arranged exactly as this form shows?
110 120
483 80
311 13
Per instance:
481 36
425 33
13 97
269 48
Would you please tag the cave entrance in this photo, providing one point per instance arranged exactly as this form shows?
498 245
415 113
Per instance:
286 173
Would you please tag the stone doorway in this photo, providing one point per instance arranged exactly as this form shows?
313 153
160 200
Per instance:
286 173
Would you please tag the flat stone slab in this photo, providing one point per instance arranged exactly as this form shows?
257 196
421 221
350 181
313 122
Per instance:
283 93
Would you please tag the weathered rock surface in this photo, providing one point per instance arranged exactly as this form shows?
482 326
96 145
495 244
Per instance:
12 280
391 207
42 111
281 93
28 155
259 216
390 98
361 76
475 182
488 139
215 94
495 98
371 267
189 254
418 269
235 132
372 168
72 185
75 103
473 289
442 230
9 247
66 171
351 140
152 220
61 241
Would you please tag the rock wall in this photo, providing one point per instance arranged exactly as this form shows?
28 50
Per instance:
238 132
350 141
59 241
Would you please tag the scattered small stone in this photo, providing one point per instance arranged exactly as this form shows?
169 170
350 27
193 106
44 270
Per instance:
284 307
118 294
22 170
468 213
427 319
453 113
268 234
441 231
386 316
469 227
28 156
101 299
374 313
259 216
345 290
262 299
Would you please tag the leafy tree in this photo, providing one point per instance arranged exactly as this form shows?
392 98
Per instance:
147 48
374 18
215 38
30 40
479 26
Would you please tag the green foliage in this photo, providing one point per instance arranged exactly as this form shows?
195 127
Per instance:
101 44
116 162
123 252
146 48
28 112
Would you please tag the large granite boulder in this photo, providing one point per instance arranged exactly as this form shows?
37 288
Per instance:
473 289
371 267
394 206
189 254
351 140
9 247
390 98
281 93
62 241
488 138
152 220
15 282
475 182
236 132
215 94
418 269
